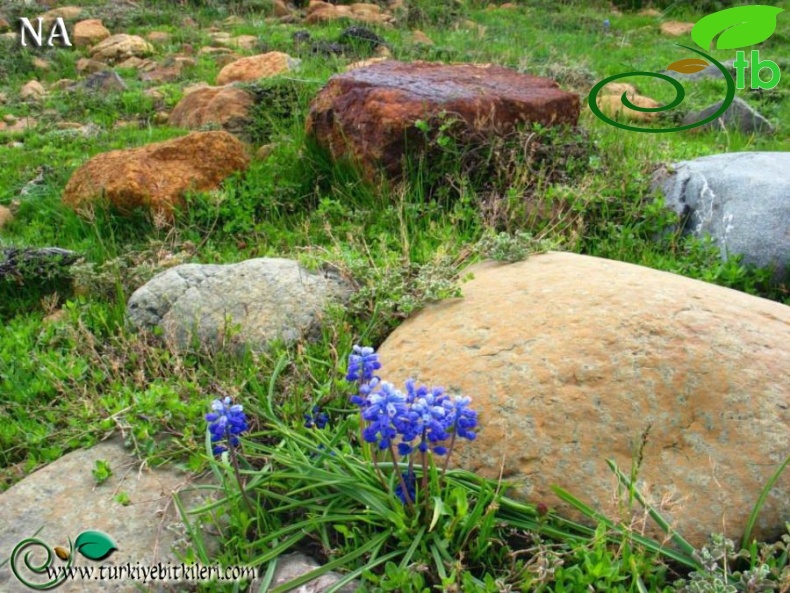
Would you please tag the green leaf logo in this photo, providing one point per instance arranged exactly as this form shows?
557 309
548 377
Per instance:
94 545
739 27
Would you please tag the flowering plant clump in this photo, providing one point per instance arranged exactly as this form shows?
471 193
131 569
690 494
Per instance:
226 423
420 420
317 418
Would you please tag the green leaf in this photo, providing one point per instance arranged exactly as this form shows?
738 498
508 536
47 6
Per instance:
94 545
739 27
747 533
438 511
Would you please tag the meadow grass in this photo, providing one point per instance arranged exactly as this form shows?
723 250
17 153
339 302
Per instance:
71 382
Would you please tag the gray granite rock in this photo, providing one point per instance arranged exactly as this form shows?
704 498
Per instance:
293 566
738 117
62 500
253 302
741 199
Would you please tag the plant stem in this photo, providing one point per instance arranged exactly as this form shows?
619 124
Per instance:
406 494
447 458
234 460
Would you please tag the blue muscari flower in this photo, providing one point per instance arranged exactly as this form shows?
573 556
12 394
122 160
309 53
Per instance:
364 391
318 418
427 419
385 411
226 422
462 418
362 364
410 481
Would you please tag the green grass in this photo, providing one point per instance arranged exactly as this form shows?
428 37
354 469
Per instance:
69 382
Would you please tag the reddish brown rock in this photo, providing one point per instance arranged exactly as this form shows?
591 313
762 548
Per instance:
226 106
255 67
89 32
368 114
570 359
156 176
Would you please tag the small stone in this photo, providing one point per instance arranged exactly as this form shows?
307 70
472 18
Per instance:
161 117
56 316
226 106
88 66
120 47
32 91
676 29
41 64
618 88
265 151
612 106
158 37
156 94
67 13
420 37
106 80
278 8
89 32
62 84
210 50
233 21
739 116
5 216
247 42
256 67
20 125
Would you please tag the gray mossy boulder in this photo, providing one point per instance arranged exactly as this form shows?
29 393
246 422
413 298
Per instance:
243 305
58 502
741 199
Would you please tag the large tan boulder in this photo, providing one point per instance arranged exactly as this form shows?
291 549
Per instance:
89 32
120 47
226 106
570 359
256 67
369 114
157 175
